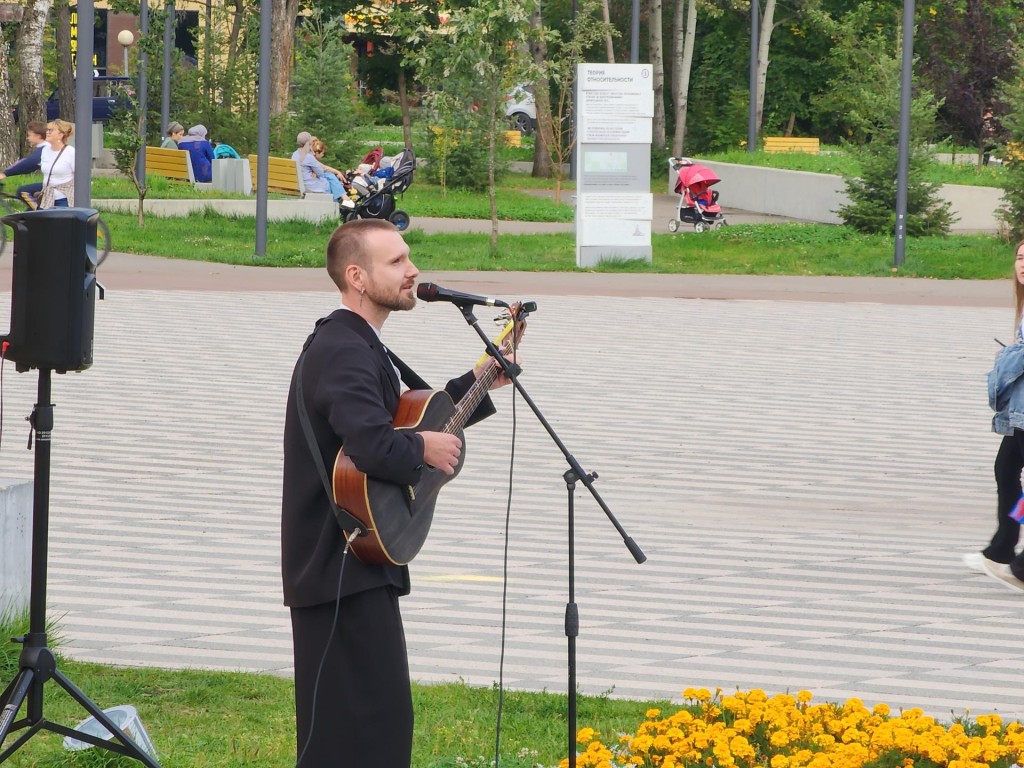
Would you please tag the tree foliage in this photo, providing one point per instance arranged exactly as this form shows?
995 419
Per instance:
323 91
964 48
1011 93
870 104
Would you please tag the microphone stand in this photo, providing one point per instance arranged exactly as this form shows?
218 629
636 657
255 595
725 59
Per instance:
575 474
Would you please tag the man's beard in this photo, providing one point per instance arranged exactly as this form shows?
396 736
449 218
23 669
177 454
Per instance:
395 302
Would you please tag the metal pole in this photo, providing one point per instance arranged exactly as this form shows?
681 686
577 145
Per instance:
83 104
140 158
165 81
263 129
755 33
903 161
634 35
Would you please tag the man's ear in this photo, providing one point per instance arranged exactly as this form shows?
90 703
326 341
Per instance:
354 277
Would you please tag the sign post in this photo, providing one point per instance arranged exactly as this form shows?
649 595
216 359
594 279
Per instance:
614 204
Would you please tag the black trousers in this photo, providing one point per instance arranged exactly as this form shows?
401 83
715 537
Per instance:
1009 463
361 712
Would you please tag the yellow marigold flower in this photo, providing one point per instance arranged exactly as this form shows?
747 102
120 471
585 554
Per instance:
804 697
882 710
780 761
702 695
741 748
586 735
779 739
690 693
653 714
757 696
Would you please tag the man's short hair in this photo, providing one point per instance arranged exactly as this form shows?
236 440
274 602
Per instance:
38 127
348 246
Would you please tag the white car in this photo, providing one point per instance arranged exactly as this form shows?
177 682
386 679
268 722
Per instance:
521 110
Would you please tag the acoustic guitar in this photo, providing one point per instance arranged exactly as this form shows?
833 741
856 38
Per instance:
397 518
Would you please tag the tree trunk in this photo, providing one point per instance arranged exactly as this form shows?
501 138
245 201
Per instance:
541 99
65 69
403 100
31 96
8 134
282 30
657 50
606 17
765 38
687 69
234 45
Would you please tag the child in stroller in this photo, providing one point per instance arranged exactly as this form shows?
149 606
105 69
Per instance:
698 204
372 187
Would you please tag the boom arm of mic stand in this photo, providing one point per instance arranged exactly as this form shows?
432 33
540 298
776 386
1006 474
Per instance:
511 372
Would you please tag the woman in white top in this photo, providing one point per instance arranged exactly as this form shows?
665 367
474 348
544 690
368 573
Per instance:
58 166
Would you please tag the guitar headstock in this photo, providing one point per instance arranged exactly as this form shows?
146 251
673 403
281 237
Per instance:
513 321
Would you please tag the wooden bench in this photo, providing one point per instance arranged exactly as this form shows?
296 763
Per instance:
792 144
173 164
284 176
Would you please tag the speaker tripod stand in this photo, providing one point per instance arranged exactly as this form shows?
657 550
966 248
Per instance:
37 663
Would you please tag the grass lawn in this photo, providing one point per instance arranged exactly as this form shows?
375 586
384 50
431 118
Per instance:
776 249
199 719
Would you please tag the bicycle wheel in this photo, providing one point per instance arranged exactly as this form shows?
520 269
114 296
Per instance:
102 241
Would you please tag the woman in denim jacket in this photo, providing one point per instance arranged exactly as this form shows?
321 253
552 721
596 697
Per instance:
1006 397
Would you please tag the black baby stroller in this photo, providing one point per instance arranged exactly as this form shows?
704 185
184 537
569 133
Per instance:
372 192
698 205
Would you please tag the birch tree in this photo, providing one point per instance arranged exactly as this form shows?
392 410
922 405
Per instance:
764 41
8 134
31 87
607 19
657 55
682 61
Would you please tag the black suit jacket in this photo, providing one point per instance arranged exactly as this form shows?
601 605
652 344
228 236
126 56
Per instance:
351 392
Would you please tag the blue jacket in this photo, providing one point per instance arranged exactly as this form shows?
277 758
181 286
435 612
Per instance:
202 156
1006 390
27 164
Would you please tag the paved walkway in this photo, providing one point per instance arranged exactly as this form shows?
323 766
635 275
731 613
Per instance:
803 460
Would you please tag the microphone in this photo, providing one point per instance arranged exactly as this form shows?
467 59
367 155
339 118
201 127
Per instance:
432 292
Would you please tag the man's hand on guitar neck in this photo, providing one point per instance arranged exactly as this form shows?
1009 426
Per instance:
501 380
441 451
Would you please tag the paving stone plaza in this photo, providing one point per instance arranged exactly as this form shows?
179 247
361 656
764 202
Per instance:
803 475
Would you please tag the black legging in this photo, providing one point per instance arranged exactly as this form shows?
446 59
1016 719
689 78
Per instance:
1009 463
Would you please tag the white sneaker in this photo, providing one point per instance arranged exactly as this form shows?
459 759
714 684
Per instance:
1004 576
976 562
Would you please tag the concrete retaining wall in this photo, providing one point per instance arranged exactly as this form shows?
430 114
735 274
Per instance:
15 545
323 209
817 196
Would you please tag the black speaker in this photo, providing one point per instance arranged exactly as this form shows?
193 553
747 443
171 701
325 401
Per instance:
53 295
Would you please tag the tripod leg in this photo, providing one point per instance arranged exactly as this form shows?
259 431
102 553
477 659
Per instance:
131 749
14 696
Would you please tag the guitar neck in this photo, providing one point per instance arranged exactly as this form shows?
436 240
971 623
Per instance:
472 399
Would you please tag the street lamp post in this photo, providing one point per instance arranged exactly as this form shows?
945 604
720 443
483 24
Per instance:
125 38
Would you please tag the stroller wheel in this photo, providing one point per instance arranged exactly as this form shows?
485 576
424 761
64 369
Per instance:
400 219
700 226
673 225
351 216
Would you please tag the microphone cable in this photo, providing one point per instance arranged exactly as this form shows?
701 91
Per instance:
327 647
504 579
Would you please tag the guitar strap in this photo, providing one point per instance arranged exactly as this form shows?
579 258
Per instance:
346 521
409 376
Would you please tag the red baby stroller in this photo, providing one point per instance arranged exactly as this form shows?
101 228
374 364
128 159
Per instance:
698 204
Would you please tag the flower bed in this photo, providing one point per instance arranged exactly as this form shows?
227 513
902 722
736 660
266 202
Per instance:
784 731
